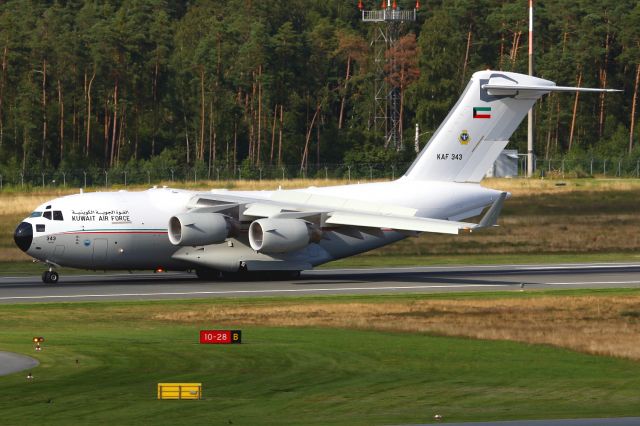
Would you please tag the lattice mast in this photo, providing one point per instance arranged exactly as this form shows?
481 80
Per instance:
386 97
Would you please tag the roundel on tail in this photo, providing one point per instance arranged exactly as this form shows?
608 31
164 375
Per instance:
464 137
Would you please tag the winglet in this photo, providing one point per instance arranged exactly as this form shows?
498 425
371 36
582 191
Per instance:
490 218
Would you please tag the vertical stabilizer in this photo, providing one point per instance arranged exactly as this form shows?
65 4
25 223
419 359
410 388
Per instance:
478 127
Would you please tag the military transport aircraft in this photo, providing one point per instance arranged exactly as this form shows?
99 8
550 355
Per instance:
286 231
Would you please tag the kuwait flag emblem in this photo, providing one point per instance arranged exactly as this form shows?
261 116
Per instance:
481 112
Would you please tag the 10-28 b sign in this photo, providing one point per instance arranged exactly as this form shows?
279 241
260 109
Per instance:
220 337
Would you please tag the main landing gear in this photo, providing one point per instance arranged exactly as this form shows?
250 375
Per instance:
50 276
205 274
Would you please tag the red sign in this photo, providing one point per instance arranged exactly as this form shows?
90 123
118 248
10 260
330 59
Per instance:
220 337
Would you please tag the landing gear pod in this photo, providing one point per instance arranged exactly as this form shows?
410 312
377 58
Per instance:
200 229
282 235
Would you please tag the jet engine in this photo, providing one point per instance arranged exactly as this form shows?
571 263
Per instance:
200 229
282 235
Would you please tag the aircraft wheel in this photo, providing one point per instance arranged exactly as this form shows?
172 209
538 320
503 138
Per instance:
236 276
208 274
283 275
50 277
294 275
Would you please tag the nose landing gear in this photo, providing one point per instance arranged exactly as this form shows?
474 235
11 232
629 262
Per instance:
50 276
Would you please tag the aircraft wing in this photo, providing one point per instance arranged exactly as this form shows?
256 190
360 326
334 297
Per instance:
419 224
368 216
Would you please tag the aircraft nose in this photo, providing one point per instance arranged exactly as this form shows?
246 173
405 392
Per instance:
23 236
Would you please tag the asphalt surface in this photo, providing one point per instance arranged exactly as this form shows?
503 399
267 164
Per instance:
12 363
624 421
146 286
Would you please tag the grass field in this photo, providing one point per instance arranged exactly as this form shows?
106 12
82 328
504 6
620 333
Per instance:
101 362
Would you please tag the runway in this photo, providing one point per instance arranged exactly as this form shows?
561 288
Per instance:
149 286
623 421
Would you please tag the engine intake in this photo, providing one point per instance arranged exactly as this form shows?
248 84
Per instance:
200 229
282 235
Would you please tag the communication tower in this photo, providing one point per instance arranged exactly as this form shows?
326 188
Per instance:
388 20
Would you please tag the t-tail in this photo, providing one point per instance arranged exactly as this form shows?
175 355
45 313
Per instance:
480 124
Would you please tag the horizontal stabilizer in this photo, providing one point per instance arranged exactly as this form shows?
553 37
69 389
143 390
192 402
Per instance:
541 88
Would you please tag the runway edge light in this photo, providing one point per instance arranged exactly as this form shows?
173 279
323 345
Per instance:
37 340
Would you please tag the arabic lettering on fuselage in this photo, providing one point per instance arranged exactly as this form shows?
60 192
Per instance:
92 215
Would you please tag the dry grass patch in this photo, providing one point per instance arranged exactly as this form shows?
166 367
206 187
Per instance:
24 202
260 185
533 234
602 325
13 254
546 186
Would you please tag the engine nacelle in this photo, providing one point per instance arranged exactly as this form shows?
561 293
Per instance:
282 235
200 229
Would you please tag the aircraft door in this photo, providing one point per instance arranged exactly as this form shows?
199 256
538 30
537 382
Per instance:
100 250
58 252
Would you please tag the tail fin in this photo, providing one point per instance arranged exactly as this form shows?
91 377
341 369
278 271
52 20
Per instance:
479 126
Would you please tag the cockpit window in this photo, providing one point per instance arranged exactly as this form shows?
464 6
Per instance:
57 215
47 215
36 214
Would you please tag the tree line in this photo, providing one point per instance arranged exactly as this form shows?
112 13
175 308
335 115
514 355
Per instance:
262 83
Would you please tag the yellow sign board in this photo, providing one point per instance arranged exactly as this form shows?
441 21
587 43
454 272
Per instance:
179 390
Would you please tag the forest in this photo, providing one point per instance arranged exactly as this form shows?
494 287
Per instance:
250 84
